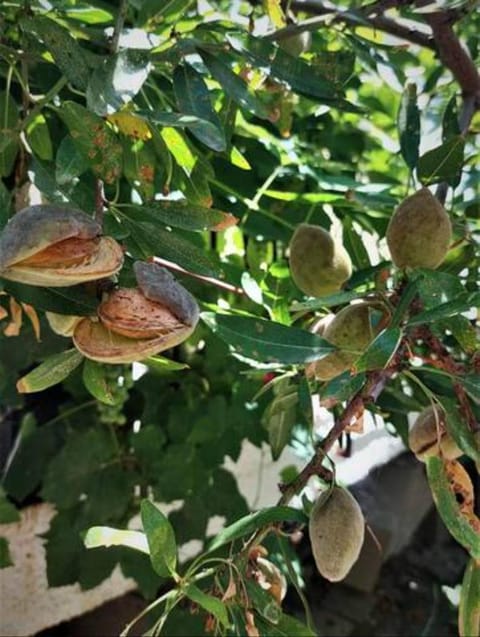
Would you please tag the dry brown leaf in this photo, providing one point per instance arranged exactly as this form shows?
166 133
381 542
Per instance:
250 628
15 325
34 320
462 488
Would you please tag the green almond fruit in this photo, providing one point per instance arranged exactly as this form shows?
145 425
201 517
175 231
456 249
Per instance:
419 232
428 436
336 530
319 264
352 330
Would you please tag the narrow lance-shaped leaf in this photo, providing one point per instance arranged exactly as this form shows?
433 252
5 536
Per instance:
234 85
98 382
71 59
267 341
459 429
211 604
380 351
52 371
443 163
469 608
254 521
71 300
450 127
452 492
279 418
95 140
181 214
150 240
161 539
97 536
409 126
302 77
193 98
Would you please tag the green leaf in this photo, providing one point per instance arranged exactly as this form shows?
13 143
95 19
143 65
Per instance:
68 55
94 139
73 300
380 351
116 81
38 137
471 384
267 341
298 74
234 85
193 98
408 123
99 383
179 214
263 603
78 464
107 536
278 419
9 139
211 604
355 245
458 428
254 521
162 10
449 509
293 627
343 387
5 557
52 371
8 511
161 539
287 626
469 609
463 302
436 287
30 462
463 331
163 365
150 240
443 163
450 127
69 162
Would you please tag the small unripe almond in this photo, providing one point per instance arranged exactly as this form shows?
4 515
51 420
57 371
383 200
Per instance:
319 264
352 330
419 232
337 529
429 437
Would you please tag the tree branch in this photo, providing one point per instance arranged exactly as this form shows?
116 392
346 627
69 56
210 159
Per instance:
454 56
350 18
369 394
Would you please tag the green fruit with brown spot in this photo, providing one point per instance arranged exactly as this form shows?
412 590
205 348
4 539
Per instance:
319 264
429 436
419 232
352 330
337 530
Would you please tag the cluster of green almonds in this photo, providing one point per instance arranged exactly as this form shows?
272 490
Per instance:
55 246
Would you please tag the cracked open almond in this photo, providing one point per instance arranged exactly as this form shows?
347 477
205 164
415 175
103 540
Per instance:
54 246
131 326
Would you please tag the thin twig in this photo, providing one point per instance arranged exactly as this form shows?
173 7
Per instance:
121 15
